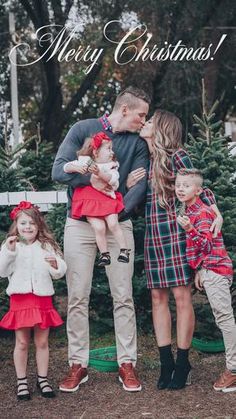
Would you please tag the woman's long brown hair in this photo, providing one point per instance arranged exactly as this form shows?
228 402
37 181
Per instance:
44 235
167 140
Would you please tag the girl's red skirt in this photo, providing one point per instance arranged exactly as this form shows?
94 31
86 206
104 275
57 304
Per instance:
29 310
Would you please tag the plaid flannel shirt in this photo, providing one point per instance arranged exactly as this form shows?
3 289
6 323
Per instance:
203 250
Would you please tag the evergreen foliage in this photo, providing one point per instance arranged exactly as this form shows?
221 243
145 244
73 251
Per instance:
210 153
36 165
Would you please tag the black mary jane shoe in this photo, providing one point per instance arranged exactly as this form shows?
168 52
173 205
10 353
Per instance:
104 259
181 377
42 384
166 376
22 387
124 255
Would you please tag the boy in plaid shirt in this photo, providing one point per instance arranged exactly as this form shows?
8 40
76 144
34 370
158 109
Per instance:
208 255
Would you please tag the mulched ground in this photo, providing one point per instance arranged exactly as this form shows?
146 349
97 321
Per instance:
102 397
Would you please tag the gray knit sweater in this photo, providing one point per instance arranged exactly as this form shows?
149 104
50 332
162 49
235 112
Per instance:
130 150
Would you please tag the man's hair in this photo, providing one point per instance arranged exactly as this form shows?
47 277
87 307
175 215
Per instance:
129 96
194 173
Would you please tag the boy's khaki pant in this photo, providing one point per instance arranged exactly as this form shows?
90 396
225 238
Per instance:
217 288
80 251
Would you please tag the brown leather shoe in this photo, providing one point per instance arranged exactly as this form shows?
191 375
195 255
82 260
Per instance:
128 378
226 382
76 376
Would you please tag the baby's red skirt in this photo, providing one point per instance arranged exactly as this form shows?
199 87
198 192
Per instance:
89 202
29 310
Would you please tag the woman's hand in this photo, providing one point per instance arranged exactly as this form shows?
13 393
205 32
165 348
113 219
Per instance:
185 223
217 225
198 282
11 243
135 176
52 261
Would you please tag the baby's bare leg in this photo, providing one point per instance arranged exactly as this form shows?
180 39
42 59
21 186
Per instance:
115 229
99 226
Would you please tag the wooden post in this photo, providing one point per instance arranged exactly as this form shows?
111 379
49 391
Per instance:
14 88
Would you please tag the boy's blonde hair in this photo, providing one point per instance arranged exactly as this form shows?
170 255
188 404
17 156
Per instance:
196 174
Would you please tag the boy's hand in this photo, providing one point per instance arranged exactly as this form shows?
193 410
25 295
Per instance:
198 282
11 243
185 223
52 261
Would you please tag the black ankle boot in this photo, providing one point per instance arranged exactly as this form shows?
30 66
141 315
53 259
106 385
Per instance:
181 377
166 375
167 367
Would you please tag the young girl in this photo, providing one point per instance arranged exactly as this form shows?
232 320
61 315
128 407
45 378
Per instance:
101 208
30 258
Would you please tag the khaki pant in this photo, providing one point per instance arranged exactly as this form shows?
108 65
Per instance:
217 288
80 251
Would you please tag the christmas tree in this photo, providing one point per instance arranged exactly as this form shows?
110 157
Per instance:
210 152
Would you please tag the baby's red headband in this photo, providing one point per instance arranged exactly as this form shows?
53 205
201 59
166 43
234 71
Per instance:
98 139
21 206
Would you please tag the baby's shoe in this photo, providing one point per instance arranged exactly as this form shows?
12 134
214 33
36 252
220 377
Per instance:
104 259
124 255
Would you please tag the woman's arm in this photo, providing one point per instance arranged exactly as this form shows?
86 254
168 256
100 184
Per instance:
218 221
135 176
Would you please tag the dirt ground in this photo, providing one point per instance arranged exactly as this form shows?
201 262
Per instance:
102 397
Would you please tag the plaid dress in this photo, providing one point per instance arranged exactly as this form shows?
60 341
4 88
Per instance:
165 240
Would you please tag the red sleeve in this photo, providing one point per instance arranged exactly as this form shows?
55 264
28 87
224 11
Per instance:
200 235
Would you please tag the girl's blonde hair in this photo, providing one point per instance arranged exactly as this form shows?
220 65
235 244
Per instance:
167 140
44 235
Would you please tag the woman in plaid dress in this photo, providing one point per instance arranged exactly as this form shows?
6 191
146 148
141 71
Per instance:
164 250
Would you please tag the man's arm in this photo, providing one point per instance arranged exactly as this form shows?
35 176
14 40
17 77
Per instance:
137 193
67 152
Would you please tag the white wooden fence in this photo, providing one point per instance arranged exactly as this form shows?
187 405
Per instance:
43 199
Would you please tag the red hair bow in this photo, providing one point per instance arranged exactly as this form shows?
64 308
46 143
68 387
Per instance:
22 205
98 139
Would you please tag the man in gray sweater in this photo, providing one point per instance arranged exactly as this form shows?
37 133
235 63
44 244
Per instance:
127 118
